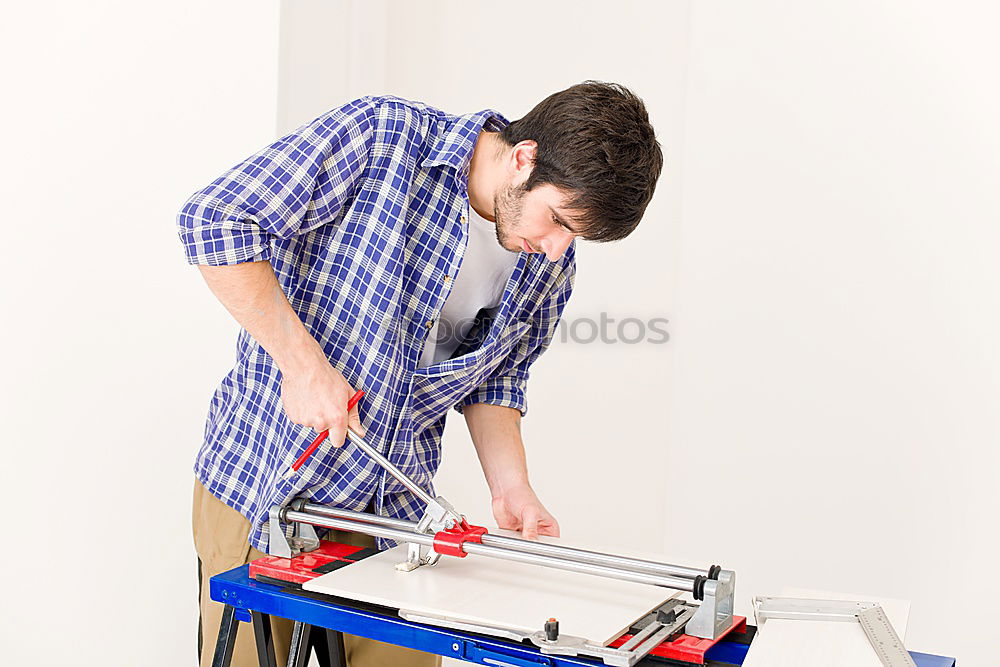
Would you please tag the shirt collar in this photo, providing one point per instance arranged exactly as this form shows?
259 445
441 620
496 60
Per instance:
454 146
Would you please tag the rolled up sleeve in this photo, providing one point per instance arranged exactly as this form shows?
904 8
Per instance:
296 184
507 385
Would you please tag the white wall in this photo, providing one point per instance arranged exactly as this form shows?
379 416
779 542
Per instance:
463 57
113 113
825 414
588 450
837 373
587 446
331 52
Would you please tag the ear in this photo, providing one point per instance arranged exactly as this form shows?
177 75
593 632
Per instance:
522 160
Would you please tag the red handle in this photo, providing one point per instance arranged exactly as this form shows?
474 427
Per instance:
299 462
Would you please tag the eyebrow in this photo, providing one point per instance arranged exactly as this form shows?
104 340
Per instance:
561 220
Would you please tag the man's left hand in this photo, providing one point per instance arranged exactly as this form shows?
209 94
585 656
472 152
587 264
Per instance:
518 508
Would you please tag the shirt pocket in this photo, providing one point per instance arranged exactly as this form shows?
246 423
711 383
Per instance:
438 388
498 344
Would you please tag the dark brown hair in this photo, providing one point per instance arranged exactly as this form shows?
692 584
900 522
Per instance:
595 141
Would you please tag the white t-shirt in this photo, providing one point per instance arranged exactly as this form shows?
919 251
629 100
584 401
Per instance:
480 282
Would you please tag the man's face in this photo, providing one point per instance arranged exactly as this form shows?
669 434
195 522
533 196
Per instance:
533 221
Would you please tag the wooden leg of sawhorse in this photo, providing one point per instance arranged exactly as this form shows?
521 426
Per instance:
328 644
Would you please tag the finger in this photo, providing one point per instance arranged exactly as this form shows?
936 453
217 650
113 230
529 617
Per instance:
529 519
354 419
337 426
549 526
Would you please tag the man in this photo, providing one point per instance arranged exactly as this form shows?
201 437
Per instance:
423 257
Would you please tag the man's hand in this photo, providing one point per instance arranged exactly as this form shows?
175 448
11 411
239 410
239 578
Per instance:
496 433
316 395
518 508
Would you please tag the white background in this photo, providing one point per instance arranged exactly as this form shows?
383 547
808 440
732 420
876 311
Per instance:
823 242
113 114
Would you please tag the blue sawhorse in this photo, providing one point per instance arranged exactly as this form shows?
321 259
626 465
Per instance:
320 620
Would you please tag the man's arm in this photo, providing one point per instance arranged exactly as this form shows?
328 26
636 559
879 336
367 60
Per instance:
493 414
299 182
313 392
496 433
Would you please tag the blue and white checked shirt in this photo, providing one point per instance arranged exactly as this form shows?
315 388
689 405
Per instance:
363 215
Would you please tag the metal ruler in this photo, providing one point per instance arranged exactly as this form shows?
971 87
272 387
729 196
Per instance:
880 633
884 639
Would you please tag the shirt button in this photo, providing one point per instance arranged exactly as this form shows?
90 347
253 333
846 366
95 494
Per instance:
447 279
462 218
430 324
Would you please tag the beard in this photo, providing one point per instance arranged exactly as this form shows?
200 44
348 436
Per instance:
508 203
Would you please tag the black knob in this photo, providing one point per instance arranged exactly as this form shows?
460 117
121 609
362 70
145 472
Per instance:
552 629
666 617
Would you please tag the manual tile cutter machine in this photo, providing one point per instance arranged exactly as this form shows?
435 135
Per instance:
678 630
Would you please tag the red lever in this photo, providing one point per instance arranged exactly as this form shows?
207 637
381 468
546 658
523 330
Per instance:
299 462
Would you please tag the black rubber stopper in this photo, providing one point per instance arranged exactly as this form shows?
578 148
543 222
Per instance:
699 587
552 629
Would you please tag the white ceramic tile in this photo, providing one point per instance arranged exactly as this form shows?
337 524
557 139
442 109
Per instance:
498 593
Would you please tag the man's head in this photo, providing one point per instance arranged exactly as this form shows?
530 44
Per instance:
584 162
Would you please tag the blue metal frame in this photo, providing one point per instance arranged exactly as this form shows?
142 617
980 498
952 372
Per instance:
245 595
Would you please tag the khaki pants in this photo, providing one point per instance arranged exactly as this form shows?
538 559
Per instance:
220 538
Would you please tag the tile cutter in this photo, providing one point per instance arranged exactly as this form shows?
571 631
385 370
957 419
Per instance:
443 531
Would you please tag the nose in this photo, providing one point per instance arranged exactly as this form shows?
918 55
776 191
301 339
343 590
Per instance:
555 244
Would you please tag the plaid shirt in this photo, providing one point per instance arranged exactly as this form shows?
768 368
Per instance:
362 213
